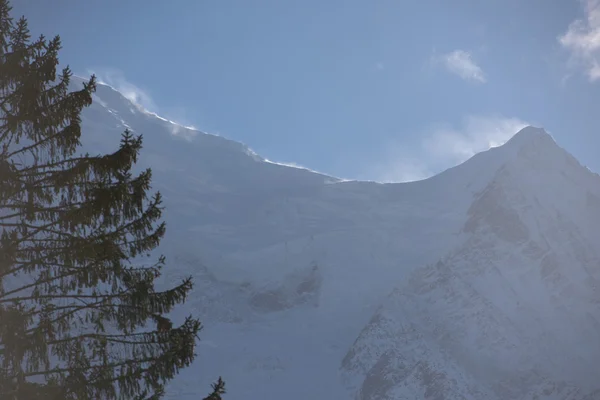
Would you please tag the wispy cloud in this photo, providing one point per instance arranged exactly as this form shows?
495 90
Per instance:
582 39
445 146
476 134
461 63
398 168
116 79
142 99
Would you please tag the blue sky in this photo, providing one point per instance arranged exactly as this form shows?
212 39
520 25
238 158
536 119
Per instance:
372 89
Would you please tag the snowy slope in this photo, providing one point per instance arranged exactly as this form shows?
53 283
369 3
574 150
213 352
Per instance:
512 313
294 269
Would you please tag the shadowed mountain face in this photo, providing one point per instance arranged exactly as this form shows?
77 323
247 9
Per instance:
478 283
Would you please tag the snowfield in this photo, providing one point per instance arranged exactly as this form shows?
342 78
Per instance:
479 283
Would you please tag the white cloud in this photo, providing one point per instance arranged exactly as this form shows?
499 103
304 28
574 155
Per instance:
399 168
461 63
116 79
444 146
582 39
476 134
142 100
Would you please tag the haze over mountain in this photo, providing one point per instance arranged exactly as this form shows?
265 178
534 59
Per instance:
478 283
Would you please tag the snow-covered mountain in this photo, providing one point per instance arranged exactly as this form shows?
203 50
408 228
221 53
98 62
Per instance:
478 283
510 313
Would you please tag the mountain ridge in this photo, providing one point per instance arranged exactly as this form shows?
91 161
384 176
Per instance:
294 269
523 137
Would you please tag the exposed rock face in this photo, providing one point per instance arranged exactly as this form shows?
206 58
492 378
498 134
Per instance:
300 288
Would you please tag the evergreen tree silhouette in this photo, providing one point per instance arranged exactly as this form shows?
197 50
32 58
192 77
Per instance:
80 317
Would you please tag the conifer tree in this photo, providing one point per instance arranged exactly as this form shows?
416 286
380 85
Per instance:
80 317
218 390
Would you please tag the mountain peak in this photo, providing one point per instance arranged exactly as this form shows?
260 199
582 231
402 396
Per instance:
531 144
530 135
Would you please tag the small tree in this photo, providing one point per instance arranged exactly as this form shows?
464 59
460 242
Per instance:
75 303
218 390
